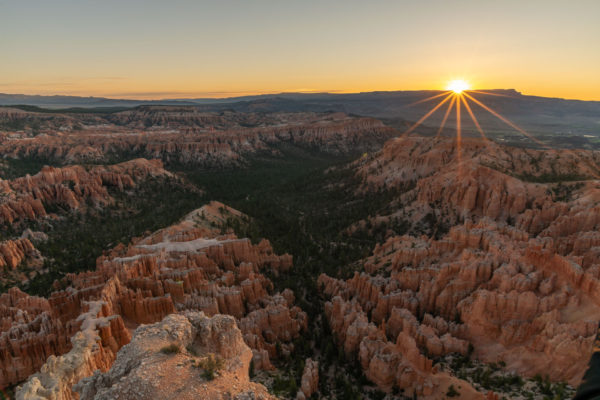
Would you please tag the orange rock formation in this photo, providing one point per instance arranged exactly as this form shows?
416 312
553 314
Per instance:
310 380
515 277
188 135
70 187
13 252
188 266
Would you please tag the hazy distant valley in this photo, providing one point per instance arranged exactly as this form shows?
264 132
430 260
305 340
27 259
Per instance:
557 122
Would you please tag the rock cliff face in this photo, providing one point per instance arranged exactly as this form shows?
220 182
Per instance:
414 158
93 348
142 371
13 252
19 261
27 123
482 179
514 280
186 135
29 335
70 188
188 266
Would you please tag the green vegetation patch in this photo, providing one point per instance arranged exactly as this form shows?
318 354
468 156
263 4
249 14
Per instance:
79 238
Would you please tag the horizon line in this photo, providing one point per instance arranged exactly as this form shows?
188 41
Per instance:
242 94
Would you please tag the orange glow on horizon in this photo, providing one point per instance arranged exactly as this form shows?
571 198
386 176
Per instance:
159 90
460 95
209 49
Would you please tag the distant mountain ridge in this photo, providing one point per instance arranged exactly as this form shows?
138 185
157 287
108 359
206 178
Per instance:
59 101
7 99
540 115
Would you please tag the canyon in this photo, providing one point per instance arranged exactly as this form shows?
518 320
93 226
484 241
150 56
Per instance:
341 260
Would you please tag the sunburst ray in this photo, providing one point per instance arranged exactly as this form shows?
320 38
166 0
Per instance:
506 121
450 105
477 125
429 98
423 118
531 137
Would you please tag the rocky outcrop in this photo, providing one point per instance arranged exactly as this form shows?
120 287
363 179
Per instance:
310 380
33 123
19 261
13 252
527 188
481 284
391 363
93 348
29 335
187 266
411 158
512 277
71 188
35 236
142 371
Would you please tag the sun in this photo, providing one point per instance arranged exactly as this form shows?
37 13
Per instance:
458 86
459 96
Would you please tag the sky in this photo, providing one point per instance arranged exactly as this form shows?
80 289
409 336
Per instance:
222 48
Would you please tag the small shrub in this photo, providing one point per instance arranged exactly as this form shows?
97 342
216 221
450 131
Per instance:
211 365
171 349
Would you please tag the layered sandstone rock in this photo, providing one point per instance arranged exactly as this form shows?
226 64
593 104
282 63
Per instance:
13 252
188 266
71 188
29 335
94 347
187 135
36 123
310 380
410 158
483 179
515 278
19 262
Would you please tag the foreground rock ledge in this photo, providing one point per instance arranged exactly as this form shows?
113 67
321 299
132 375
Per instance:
142 371
187 266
